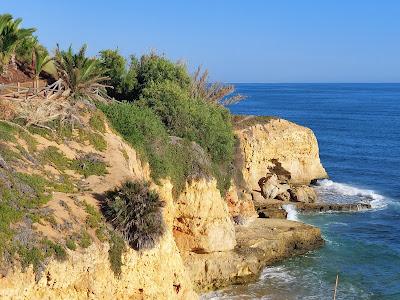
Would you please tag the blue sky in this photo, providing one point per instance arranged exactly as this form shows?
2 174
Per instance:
238 41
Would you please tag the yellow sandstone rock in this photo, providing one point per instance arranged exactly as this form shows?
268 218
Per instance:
276 143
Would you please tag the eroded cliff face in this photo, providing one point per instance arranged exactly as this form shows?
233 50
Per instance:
202 246
202 221
275 145
154 274
158 273
265 146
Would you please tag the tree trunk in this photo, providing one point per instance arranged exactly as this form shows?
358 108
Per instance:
13 62
4 71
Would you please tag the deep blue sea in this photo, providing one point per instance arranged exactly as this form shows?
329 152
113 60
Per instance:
358 130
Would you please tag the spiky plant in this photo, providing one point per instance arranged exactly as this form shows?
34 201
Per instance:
11 35
40 61
81 75
217 92
136 212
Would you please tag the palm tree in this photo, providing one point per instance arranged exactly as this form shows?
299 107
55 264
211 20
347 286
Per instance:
81 75
40 61
11 35
217 93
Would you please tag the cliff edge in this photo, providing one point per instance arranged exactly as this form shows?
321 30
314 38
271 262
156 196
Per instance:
211 240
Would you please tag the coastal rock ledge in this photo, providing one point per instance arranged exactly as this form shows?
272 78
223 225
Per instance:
260 243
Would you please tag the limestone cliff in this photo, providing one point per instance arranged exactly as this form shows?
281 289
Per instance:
202 221
270 145
154 274
264 146
202 246
158 273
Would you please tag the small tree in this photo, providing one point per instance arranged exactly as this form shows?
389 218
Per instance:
123 77
81 75
40 61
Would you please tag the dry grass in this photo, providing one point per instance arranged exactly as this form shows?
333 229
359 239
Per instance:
7 110
40 112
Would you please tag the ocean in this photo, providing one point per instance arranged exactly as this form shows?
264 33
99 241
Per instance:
358 130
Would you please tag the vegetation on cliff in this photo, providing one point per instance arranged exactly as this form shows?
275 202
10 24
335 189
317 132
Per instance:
176 122
136 212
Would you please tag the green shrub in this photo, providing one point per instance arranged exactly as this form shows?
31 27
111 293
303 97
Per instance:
89 164
96 121
39 185
101 233
56 158
136 212
144 130
206 124
56 131
129 80
97 141
123 80
31 256
70 244
85 240
36 255
54 249
165 109
7 132
63 185
117 248
93 218
8 154
154 69
20 195
8 215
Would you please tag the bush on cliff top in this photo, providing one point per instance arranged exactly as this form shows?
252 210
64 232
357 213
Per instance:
206 124
164 92
175 158
128 80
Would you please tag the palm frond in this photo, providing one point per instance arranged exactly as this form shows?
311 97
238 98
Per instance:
82 75
216 93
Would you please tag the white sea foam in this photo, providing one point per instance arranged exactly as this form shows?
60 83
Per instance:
291 212
279 273
344 191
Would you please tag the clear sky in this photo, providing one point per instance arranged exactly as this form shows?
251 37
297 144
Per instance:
238 41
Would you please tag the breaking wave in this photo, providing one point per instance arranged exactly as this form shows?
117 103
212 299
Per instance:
291 212
345 193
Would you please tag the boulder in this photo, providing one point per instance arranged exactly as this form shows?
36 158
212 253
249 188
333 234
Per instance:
271 187
285 196
272 213
304 193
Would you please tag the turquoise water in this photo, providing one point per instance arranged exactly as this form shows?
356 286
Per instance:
358 129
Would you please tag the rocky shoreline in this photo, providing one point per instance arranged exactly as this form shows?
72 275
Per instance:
260 243
211 241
